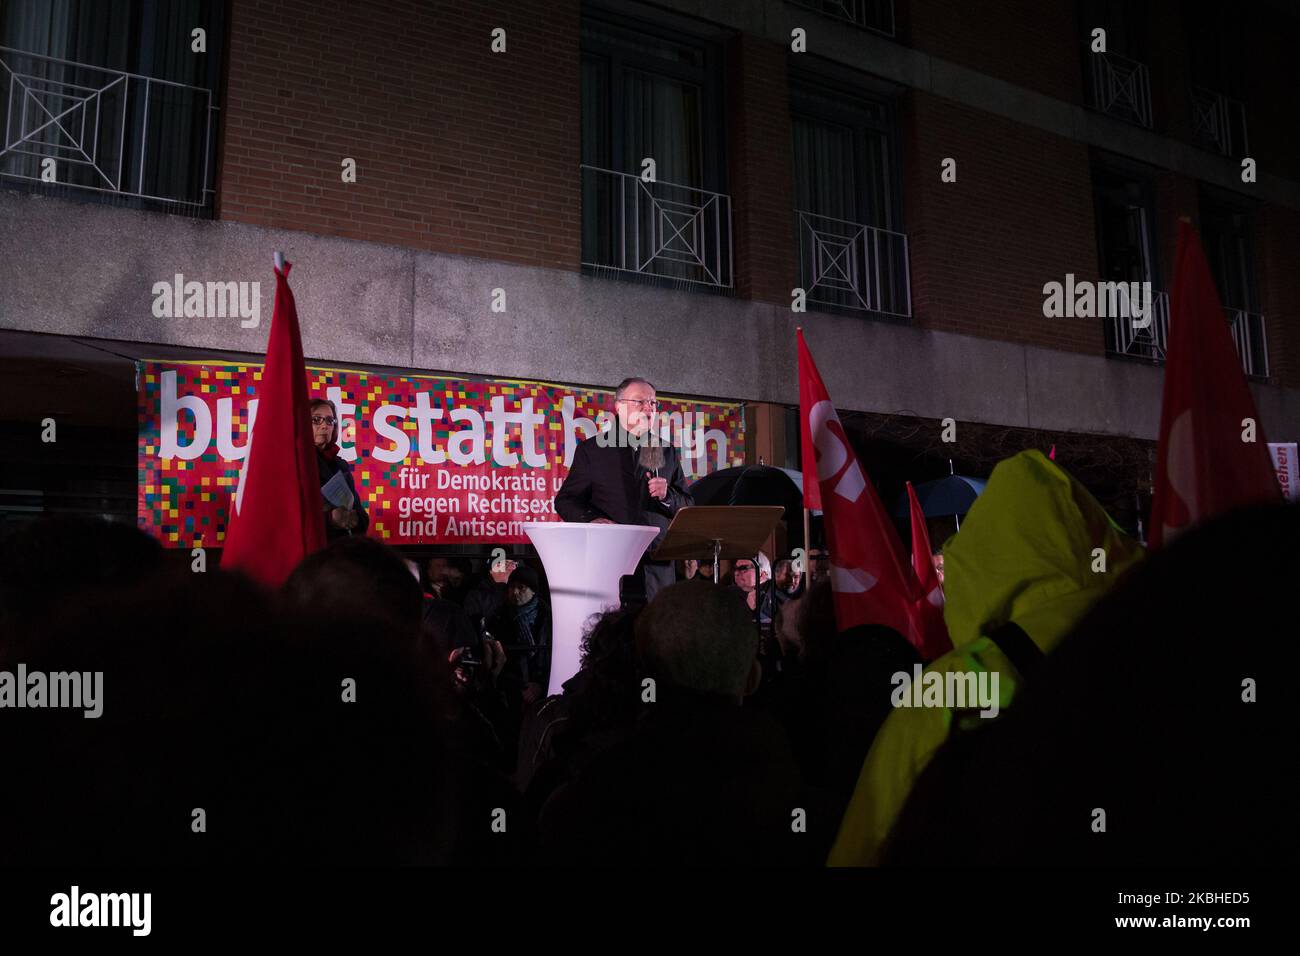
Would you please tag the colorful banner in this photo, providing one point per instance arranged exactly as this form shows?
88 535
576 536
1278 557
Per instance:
1287 466
437 460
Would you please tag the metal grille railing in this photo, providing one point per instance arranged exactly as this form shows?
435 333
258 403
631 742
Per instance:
107 131
1248 336
851 266
1150 342
876 15
1219 123
1121 88
660 230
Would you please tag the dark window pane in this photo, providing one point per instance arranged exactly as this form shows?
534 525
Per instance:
662 122
825 171
113 93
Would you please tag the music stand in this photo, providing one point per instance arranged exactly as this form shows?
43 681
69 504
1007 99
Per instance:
718 531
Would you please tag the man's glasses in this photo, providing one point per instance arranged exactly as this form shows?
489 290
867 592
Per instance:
646 403
742 568
323 420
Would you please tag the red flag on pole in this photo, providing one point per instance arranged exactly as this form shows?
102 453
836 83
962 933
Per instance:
277 518
1204 463
871 582
929 607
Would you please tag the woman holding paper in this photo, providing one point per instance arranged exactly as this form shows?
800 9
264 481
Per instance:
344 512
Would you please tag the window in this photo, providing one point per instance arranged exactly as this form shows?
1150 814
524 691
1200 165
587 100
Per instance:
1226 234
1118 83
648 95
112 92
1219 47
852 252
1125 245
877 15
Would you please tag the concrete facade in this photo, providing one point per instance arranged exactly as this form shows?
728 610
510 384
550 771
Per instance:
365 303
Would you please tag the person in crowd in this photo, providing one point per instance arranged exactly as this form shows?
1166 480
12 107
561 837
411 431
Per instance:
354 571
745 575
629 475
487 594
831 689
240 729
701 779
937 560
788 579
339 521
54 562
447 623
1146 713
819 566
687 569
449 578
597 709
486 724
523 626
1023 577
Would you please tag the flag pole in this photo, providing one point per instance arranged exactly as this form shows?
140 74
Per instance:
279 260
807 545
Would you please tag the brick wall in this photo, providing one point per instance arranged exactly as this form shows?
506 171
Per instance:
458 149
464 151
1019 215
1277 233
760 168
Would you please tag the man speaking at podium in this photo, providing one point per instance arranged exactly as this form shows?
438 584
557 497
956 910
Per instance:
628 474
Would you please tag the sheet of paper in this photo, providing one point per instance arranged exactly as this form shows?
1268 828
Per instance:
336 491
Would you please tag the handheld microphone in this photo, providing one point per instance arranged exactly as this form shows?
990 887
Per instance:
652 457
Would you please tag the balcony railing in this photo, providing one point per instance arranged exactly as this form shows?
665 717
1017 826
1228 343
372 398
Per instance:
1248 336
655 230
1152 343
107 131
1121 88
848 265
1219 123
877 15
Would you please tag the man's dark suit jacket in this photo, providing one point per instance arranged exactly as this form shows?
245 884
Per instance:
606 482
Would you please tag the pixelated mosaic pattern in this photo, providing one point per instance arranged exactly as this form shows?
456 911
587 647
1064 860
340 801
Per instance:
185 504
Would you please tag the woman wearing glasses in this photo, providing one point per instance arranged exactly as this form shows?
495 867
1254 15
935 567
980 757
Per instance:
339 521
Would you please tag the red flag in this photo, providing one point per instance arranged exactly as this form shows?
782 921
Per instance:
1203 465
278 516
812 490
929 607
871 582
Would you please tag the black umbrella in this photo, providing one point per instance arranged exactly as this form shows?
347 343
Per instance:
952 495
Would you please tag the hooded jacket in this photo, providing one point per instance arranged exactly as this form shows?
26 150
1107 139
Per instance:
1024 555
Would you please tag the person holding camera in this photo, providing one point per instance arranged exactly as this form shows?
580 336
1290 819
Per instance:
523 626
